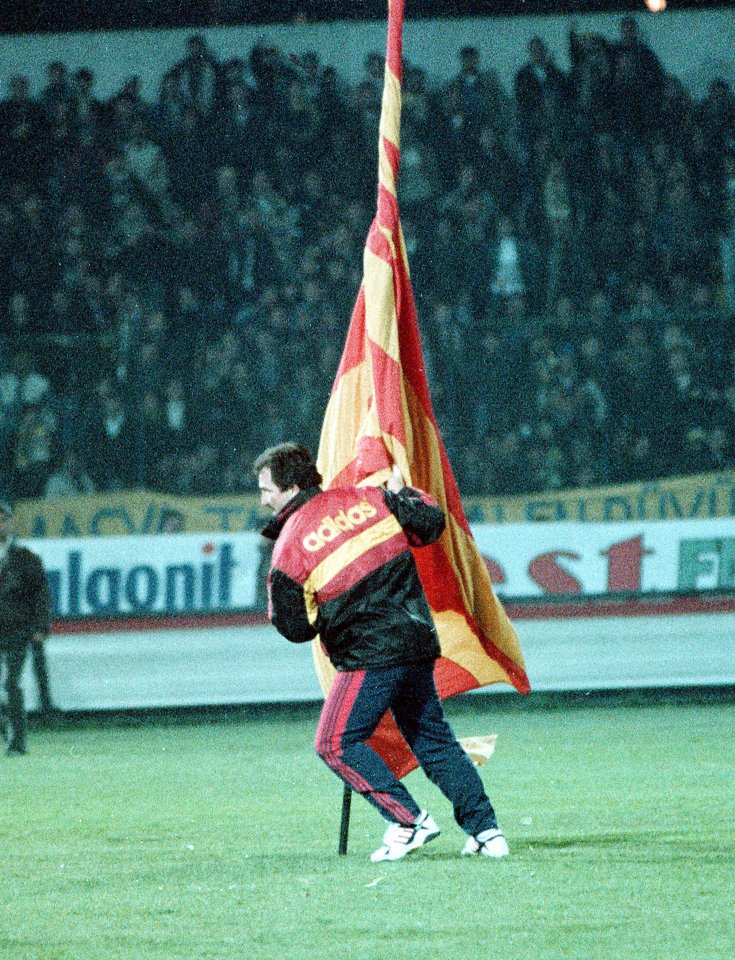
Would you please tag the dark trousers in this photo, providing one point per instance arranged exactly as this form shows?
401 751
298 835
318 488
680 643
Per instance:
13 649
40 669
355 704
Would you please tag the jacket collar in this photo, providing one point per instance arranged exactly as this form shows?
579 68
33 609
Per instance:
273 528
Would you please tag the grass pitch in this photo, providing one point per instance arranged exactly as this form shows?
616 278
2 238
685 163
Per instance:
214 838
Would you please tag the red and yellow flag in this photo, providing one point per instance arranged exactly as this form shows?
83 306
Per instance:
380 413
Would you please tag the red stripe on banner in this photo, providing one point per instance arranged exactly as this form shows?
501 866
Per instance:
550 609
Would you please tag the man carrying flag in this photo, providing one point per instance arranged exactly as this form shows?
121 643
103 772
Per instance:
343 569
380 414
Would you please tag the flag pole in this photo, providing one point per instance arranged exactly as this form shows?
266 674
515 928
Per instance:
344 827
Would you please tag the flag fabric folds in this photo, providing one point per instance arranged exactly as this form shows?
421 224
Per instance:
380 413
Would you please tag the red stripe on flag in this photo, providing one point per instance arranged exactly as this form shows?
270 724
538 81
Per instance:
394 157
394 51
452 679
387 372
443 593
354 350
371 456
387 214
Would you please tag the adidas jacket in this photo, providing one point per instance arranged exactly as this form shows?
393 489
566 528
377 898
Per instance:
342 568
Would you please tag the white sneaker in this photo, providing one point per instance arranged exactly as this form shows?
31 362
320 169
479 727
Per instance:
489 843
399 840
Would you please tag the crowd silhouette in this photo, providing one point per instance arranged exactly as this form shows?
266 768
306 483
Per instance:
177 275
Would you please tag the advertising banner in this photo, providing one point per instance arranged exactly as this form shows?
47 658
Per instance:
143 621
132 513
200 573
695 497
535 560
189 573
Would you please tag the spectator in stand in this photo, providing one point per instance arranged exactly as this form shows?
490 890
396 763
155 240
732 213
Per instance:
419 182
505 464
567 260
717 115
513 267
198 75
34 451
111 440
592 79
89 111
34 266
168 111
476 96
297 127
202 473
58 90
417 103
679 236
235 125
727 230
144 160
22 385
189 152
21 321
69 479
498 172
540 91
373 75
22 131
172 521
639 79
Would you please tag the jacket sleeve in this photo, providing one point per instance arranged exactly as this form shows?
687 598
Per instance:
418 513
287 608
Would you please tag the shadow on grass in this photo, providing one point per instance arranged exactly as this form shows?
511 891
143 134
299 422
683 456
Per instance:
501 702
641 846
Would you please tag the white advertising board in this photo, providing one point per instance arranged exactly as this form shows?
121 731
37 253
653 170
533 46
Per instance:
533 560
199 573
163 621
185 573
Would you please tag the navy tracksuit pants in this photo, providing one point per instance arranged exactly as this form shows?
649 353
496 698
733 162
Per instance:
355 704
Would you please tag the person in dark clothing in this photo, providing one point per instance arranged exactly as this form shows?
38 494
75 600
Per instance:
540 89
25 613
342 569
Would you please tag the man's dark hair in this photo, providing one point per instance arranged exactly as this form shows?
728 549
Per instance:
289 464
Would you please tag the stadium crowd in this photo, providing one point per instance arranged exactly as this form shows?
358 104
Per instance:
177 276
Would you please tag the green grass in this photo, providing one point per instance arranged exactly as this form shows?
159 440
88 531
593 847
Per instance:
215 839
